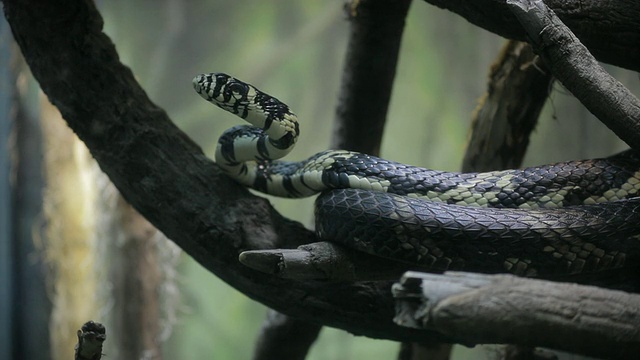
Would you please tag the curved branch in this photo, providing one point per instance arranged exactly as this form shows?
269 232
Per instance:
610 29
166 177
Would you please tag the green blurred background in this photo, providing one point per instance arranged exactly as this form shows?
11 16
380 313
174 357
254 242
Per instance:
294 50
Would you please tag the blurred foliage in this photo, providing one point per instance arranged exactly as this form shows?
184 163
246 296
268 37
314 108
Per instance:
294 51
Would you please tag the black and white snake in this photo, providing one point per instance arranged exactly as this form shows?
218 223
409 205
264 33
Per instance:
565 218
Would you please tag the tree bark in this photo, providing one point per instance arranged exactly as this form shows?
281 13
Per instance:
518 88
610 29
507 309
572 64
165 176
367 78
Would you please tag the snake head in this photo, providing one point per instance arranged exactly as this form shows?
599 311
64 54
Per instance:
222 90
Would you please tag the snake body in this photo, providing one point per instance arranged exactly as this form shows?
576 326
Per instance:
563 218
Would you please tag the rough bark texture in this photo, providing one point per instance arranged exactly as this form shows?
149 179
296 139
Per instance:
610 29
508 309
322 261
572 64
165 176
508 112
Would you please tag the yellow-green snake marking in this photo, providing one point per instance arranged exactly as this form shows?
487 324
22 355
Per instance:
564 218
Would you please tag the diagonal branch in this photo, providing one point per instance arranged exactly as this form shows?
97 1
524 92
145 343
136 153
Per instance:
572 64
610 29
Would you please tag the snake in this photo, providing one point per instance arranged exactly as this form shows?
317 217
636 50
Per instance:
558 219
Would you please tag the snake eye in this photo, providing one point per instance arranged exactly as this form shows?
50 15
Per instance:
237 90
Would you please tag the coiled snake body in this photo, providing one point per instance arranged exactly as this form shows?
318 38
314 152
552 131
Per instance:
564 218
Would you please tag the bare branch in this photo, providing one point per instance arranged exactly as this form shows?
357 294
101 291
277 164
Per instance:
367 78
375 33
610 29
508 309
284 337
572 64
508 112
165 176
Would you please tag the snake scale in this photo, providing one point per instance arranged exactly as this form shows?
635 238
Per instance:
565 218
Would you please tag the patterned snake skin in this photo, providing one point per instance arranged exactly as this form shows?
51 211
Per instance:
564 218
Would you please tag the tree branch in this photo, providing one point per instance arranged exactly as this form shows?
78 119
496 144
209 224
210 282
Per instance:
165 176
572 64
610 29
285 337
508 112
367 78
322 261
507 309
372 53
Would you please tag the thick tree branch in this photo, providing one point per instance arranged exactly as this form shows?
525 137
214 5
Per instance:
572 64
375 35
508 309
165 176
610 29
367 78
285 337
508 112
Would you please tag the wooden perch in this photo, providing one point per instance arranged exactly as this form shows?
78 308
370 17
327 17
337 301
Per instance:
575 67
490 309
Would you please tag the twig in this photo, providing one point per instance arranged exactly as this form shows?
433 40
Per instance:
502 309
